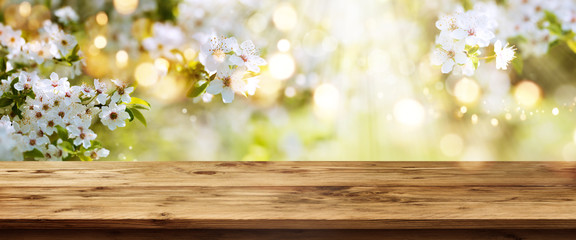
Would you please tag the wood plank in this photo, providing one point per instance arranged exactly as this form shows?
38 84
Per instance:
288 195
143 234
287 173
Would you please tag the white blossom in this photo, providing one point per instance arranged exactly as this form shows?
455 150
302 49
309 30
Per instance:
214 52
248 56
227 82
504 55
114 116
82 136
122 93
66 15
97 153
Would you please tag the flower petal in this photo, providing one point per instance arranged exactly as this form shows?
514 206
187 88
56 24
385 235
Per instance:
227 95
438 57
236 60
460 57
447 66
497 46
459 34
248 46
215 87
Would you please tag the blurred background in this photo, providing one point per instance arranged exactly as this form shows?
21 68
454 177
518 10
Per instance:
345 81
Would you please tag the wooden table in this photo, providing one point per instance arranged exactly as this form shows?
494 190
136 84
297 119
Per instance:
287 200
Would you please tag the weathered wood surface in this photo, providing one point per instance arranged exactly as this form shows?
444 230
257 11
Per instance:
288 195
334 234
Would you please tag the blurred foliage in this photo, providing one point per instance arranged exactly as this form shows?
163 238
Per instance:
374 53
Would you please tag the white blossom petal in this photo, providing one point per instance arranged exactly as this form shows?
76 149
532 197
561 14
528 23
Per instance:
215 87
227 95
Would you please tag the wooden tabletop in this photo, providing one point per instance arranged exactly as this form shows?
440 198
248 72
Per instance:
288 195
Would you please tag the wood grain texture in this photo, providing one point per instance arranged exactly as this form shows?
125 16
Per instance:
336 234
288 195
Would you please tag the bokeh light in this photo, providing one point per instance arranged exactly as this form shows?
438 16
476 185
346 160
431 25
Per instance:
102 18
146 75
121 59
282 66
285 17
409 112
283 45
467 91
326 100
25 9
168 89
125 7
527 93
451 145
162 64
100 42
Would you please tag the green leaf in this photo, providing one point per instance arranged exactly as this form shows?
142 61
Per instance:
518 64
67 146
195 91
84 158
3 64
572 45
73 56
5 102
16 110
550 17
95 144
131 114
553 43
475 62
35 153
135 100
555 29
140 107
62 132
473 50
75 50
138 115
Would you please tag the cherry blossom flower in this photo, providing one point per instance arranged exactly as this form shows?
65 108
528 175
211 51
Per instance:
101 88
474 29
226 83
114 116
54 153
504 55
166 37
451 53
248 56
35 140
97 153
122 93
66 15
81 135
213 52
26 81
64 44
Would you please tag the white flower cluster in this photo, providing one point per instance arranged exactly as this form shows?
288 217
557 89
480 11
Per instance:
222 56
165 38
219 16
230 62
463 35
54 118
191 40
52 47
48 118
537 23
66 15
